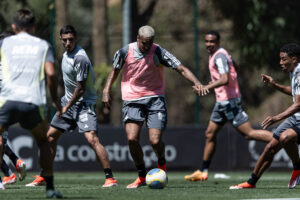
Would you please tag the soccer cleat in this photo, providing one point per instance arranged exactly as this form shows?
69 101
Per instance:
37 181
244 185
9 179
195 173
197 176
21 169
163 167
140 181
110 182
295 179
53 194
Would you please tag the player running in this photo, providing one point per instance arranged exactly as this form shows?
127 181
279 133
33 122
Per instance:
287 134
78 103
26 62
142 88
228 106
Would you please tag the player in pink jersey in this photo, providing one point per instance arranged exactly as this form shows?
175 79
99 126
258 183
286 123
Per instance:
228 106
142 88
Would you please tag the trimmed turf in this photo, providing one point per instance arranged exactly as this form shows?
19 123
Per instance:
88 186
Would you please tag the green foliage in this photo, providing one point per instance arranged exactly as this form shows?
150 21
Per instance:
262 27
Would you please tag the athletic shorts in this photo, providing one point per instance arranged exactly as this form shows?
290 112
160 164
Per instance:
81 115
289 123
153 110
27 115
230 110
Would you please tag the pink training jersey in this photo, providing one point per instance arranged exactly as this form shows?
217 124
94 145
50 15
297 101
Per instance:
142 77
231 90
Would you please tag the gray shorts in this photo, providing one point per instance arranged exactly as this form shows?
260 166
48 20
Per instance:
230 110
27 115
80 115
290 123
153 110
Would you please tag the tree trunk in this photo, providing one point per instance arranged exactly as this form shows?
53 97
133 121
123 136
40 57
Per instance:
100 37
60 21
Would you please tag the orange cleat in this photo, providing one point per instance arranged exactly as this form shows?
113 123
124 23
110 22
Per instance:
295 179
244 185
140 181
197 176
110 182
9 179
21 169
37 181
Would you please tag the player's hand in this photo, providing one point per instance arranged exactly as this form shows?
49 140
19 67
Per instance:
58 108
64 109
201 90
268 80
106 99
269 121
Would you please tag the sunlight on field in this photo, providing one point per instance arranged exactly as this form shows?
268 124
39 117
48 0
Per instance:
273 185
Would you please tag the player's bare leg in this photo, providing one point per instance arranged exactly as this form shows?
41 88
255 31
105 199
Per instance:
158 146
40 135
254 134
289 141
209 150
99 149
102 157
53 135
133 136
262 164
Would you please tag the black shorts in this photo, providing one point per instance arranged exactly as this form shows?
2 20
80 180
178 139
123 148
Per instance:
27 114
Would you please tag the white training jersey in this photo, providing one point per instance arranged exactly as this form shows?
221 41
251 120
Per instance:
23 77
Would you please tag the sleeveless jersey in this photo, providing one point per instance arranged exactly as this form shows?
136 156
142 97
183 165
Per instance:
142 77
231 90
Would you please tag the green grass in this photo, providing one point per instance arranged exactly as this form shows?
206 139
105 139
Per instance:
88 186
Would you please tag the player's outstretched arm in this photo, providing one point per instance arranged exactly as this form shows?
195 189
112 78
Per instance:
106 96
269 81
187 74
52 85
292 109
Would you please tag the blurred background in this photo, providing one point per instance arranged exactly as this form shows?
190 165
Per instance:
251 30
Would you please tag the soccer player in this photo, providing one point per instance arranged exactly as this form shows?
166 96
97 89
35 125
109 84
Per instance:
228 106
142 88
78 103
287 134
26 62
9 176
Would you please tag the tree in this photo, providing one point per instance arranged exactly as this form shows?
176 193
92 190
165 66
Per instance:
60 21
100 37
139 19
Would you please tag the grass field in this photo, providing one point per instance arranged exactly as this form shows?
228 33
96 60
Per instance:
273 185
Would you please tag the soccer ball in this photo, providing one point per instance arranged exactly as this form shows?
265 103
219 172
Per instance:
156 178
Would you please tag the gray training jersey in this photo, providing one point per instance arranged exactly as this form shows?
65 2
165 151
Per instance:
23 77
76 67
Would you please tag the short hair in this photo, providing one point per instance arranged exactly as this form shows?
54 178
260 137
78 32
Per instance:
68 29
23 19
215 33
6 34
146 31
291 49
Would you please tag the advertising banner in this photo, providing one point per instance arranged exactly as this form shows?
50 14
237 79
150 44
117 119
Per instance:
184 150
